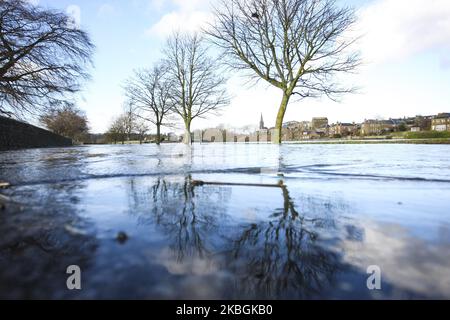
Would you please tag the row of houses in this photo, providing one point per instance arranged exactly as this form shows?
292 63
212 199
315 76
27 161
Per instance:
441 122
320 127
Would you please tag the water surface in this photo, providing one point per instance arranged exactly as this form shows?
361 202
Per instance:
342 209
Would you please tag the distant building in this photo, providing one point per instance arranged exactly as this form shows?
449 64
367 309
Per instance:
261 124
309 135
343 129
423 122
319 123
414 124
263 134
320 128
292 125
172 137
441 122
214 135
197 135
293 130
377 127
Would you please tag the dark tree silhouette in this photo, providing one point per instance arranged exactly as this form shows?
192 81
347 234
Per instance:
69 122
185 214
198 87
43 58
117 130
282 256
297 46
148 92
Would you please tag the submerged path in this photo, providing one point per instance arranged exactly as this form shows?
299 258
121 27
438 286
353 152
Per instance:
210 221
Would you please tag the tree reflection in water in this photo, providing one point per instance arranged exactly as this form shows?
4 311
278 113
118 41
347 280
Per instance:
190 218
275 257
280 257
42 234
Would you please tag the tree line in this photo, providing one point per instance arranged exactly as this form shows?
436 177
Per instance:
297 46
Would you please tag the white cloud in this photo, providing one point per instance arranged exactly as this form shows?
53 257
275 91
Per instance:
175 21
74 12
188 16
106 9
191 4
157 4
396 29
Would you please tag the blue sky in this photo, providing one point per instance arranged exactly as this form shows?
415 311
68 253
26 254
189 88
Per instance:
406 48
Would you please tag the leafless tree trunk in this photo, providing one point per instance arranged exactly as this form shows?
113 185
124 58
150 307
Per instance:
129 119
148 91
43 58
198 87
297 46
141 129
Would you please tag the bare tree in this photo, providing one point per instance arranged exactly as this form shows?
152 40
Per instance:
117 130
43 58
148 91
142 128
297 46
128 119
69 122
198 87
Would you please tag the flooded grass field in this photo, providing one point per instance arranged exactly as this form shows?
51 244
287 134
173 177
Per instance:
140 225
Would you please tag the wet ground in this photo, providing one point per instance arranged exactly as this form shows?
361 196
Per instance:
139 226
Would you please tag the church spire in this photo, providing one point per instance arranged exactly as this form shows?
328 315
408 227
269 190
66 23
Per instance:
261 123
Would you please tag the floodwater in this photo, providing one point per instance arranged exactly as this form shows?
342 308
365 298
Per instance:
341 210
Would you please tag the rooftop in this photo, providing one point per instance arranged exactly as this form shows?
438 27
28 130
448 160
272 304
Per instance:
443 116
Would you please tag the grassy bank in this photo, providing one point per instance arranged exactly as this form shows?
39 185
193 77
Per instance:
428 135
379 141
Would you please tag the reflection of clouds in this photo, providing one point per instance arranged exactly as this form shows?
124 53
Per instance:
189 265
250 215
407 262
192 287
196 277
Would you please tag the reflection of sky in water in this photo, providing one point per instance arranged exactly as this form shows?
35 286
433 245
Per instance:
409 263
344 208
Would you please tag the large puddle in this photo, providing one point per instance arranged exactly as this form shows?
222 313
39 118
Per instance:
139 225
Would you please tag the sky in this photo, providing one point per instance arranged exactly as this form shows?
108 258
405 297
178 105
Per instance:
405 47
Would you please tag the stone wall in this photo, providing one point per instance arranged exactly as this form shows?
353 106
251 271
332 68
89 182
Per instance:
19 135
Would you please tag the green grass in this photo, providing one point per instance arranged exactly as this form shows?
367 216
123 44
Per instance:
379 141
428 135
